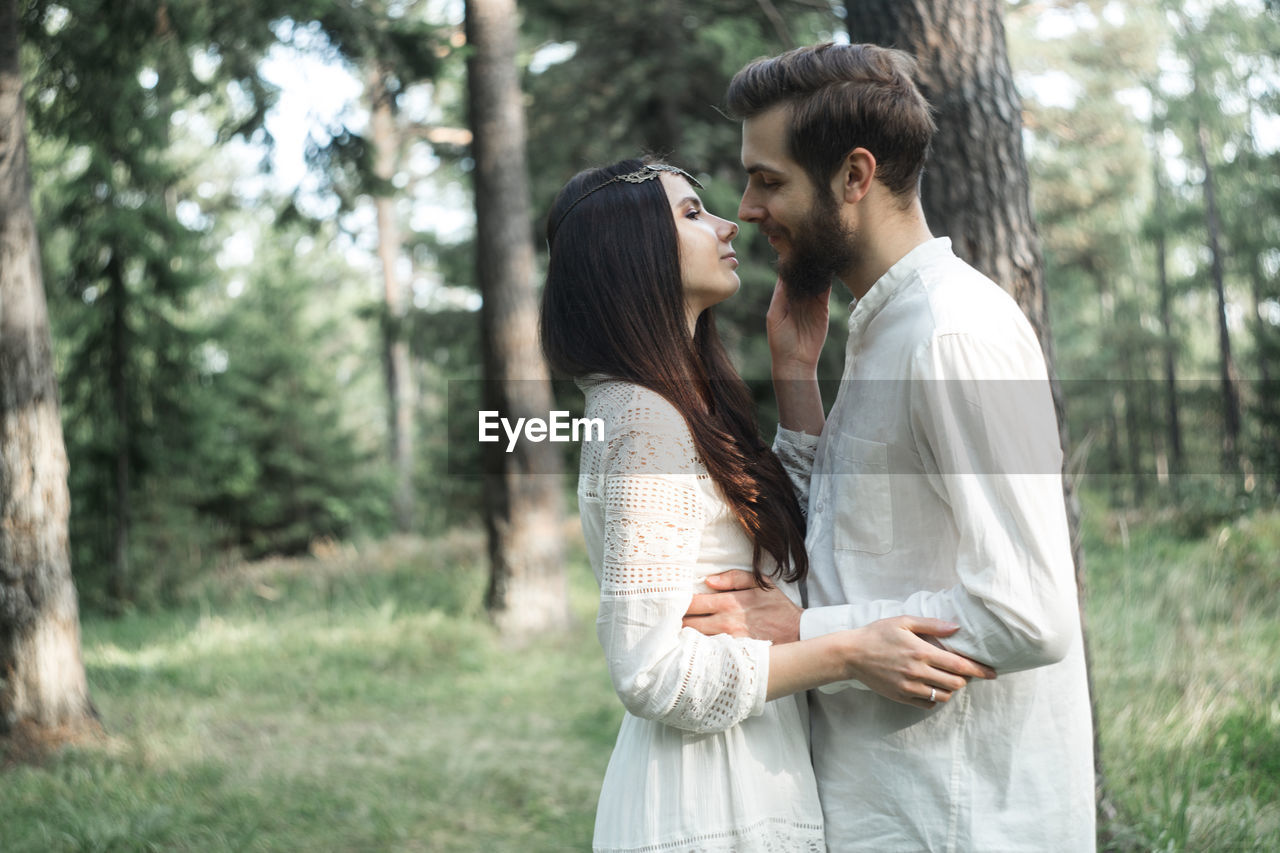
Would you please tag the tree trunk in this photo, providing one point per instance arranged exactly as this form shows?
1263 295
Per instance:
1127 392
42 681
1264 338
1265 393
981 199
527 590
1115 394
1133 430
1175 462
395 346
1226 365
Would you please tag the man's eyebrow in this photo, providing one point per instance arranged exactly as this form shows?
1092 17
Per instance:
761 167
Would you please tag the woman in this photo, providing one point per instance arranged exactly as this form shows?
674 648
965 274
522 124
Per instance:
712 753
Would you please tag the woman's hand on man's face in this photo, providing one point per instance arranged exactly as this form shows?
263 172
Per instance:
797 329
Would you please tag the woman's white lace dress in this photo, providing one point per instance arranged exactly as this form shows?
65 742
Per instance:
702 762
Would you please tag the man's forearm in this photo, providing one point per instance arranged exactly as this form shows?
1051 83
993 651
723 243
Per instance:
799 400
1006 644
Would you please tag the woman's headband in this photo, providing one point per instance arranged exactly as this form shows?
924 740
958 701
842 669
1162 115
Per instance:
645 173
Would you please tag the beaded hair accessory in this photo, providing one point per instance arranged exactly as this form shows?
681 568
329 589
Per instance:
645 173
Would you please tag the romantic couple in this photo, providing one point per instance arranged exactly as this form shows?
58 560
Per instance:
897 555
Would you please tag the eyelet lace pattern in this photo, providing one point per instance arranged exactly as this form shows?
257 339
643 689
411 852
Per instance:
657 499
656 525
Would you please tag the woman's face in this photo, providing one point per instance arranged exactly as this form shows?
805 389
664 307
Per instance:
707 261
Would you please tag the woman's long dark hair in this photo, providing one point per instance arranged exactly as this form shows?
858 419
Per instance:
614 304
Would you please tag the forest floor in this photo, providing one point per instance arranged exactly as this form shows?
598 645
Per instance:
359 701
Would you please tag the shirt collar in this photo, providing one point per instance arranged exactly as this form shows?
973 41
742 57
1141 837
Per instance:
862 311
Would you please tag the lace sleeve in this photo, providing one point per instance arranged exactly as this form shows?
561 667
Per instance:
796 450
653 523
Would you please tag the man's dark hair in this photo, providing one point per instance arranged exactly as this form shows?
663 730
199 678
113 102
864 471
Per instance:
843 96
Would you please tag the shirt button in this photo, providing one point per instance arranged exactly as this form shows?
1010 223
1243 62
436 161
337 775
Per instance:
822 507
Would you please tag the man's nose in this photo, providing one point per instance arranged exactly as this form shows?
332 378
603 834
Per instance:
749 210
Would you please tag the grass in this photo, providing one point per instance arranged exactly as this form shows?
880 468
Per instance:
1185 638
359 701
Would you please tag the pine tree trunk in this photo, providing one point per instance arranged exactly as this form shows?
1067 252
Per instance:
1265 393
1175 464
1231 449
527 590
42 680
1267 461
977 187
1133 430
1114 395
395 346
1125 396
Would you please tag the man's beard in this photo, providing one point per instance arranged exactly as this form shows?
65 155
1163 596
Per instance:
821 246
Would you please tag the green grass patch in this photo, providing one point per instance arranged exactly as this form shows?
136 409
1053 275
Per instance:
1186 667
359 701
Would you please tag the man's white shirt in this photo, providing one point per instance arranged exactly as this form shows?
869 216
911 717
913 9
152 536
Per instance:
935 490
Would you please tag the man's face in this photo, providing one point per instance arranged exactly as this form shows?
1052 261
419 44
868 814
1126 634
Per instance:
803 223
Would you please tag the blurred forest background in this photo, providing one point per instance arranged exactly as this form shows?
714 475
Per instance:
258 236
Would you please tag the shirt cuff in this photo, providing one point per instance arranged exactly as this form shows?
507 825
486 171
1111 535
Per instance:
817 621
760 653
800 442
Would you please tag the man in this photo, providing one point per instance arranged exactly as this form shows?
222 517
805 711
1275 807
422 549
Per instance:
933 487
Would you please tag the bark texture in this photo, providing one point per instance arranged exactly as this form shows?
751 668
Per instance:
42 680
524 506
976 190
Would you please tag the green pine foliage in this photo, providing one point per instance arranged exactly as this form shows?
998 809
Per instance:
446 344
132 108
1139 80
108 86
119 268
280 374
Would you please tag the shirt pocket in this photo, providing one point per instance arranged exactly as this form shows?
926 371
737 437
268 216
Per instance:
863 515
